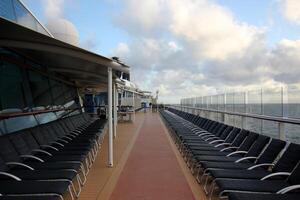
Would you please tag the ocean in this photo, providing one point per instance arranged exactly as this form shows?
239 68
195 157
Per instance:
268 128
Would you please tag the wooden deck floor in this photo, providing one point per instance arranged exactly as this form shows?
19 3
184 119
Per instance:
147 166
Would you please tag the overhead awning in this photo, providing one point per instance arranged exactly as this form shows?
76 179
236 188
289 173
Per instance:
85 68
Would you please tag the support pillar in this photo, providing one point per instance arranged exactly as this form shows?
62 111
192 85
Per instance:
115 110
110 121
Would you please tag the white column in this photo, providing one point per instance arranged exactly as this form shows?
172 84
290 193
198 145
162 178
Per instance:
115 111
133 103
110 125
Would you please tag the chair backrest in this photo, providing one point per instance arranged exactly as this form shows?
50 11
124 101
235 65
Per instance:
20 145
240 138
269 154
226 132
7 151
288 159
3 166
294 178
232 135
220 130
248 142
259 144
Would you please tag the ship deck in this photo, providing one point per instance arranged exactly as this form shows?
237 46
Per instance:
147 165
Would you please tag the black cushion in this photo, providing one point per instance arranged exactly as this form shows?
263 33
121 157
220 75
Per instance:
257 196
33 187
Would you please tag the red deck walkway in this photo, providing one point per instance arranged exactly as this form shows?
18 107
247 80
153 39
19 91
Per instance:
152 171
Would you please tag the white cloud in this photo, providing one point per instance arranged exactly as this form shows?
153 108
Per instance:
286 61
211 29
191 47
291 10
53 8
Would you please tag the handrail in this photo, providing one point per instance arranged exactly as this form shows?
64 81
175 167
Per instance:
20 114
255 116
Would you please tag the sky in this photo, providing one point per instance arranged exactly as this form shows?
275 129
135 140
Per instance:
187 48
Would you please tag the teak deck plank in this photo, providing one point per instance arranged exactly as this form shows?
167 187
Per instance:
147 165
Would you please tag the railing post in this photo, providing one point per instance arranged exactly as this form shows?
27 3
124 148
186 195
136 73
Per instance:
281 128
244 119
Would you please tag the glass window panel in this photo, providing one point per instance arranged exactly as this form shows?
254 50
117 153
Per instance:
19 123
7 10
24 17
45 117
40 89
57 90
2 129
11 88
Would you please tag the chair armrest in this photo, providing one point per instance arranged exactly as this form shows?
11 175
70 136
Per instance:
288 189
203 135
19 164
49 146
208 135
33 157
215 141
58 144
261 165
67 137
246 158
211 138
74 133
11 176
42 151
275 174
62 140
236 152
227 148
222 144
70 135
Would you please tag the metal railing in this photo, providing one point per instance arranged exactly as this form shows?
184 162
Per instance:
222 116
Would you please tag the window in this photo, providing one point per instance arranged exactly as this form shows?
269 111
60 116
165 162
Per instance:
7 10
11 88
40 89
24 17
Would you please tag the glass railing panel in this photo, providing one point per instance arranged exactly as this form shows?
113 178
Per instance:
239 102
254 125
230 102
293 102
221 102
254 105
214 102
270 128
272 102
292 133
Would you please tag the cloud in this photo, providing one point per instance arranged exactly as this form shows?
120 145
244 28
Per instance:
53 8
291 10
286 60
191 47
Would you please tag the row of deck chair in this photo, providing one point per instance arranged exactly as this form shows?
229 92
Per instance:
49 161
228 159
